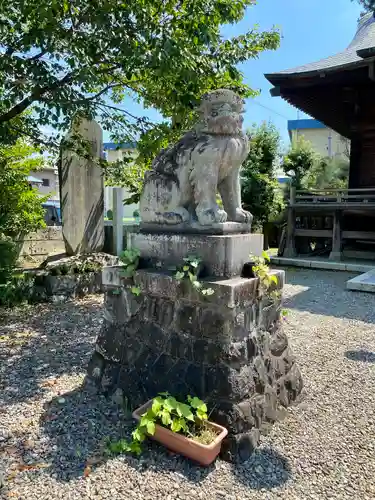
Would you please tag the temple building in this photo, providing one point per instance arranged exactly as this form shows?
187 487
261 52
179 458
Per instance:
338 91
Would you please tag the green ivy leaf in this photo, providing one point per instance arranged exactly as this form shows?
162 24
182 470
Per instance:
208 291
265 256
166 418
157 405
170 404
197 284
135 447
184 410
197 403
139 434
201 414
151 428
176 425
179 276
135 290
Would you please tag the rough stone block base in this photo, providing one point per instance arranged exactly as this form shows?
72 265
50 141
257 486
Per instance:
228 349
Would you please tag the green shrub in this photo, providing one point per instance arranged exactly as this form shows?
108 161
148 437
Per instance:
16 290
8 258
21 212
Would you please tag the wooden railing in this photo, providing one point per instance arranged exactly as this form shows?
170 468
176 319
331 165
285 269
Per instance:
332 196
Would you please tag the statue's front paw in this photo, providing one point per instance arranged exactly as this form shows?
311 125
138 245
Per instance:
211 216
243 216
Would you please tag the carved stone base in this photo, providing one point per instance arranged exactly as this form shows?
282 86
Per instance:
228 349
223 255
196 228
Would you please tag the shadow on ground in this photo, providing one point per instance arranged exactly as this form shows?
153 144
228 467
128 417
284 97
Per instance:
79 429
361 355
43 341
324 293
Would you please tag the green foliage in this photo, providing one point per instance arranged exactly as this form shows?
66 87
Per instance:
261 193
16 289
189 272
130 260
75 268
262 271
368 5
71 58
186 418
8 258
21 212
299 160
327 173
21 208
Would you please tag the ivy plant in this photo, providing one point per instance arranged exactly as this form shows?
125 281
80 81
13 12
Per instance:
189 272
130 261
266 279
188 418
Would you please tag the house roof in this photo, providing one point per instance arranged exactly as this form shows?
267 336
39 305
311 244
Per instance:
353 56
34 180
305 123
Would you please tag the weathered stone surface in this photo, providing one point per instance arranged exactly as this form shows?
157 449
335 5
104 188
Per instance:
35 247
196 228
223 255
82 194
64 278
181 187
64 288
215 347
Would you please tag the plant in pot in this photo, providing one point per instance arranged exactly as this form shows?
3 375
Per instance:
181 427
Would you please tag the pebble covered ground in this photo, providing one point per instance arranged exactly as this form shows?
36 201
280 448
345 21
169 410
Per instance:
52 432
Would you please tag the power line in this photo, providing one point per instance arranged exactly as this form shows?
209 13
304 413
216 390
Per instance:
253 101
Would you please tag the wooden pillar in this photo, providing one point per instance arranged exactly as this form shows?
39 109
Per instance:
355 162
336 237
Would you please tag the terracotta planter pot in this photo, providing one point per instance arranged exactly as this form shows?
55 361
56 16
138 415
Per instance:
201 453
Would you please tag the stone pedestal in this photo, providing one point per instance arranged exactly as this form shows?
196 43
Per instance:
223 255
82 194
228 349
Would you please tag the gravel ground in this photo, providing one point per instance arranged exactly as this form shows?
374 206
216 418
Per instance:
52 432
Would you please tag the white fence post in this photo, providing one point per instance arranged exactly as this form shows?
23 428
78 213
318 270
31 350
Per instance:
118 214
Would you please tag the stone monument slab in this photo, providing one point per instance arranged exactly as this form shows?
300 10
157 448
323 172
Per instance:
82 193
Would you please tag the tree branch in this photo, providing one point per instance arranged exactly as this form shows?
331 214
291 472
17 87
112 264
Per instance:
34 96
34 137
137 118
38 56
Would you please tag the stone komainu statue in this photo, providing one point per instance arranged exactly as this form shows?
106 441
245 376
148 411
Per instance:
182 184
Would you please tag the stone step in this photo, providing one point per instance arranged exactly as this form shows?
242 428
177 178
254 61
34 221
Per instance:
363 283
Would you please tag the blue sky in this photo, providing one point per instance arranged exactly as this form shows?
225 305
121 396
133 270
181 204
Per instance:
311 30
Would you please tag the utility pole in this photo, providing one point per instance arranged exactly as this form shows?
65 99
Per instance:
330 143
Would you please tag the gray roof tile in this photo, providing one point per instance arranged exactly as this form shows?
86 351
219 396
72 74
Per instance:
363 39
